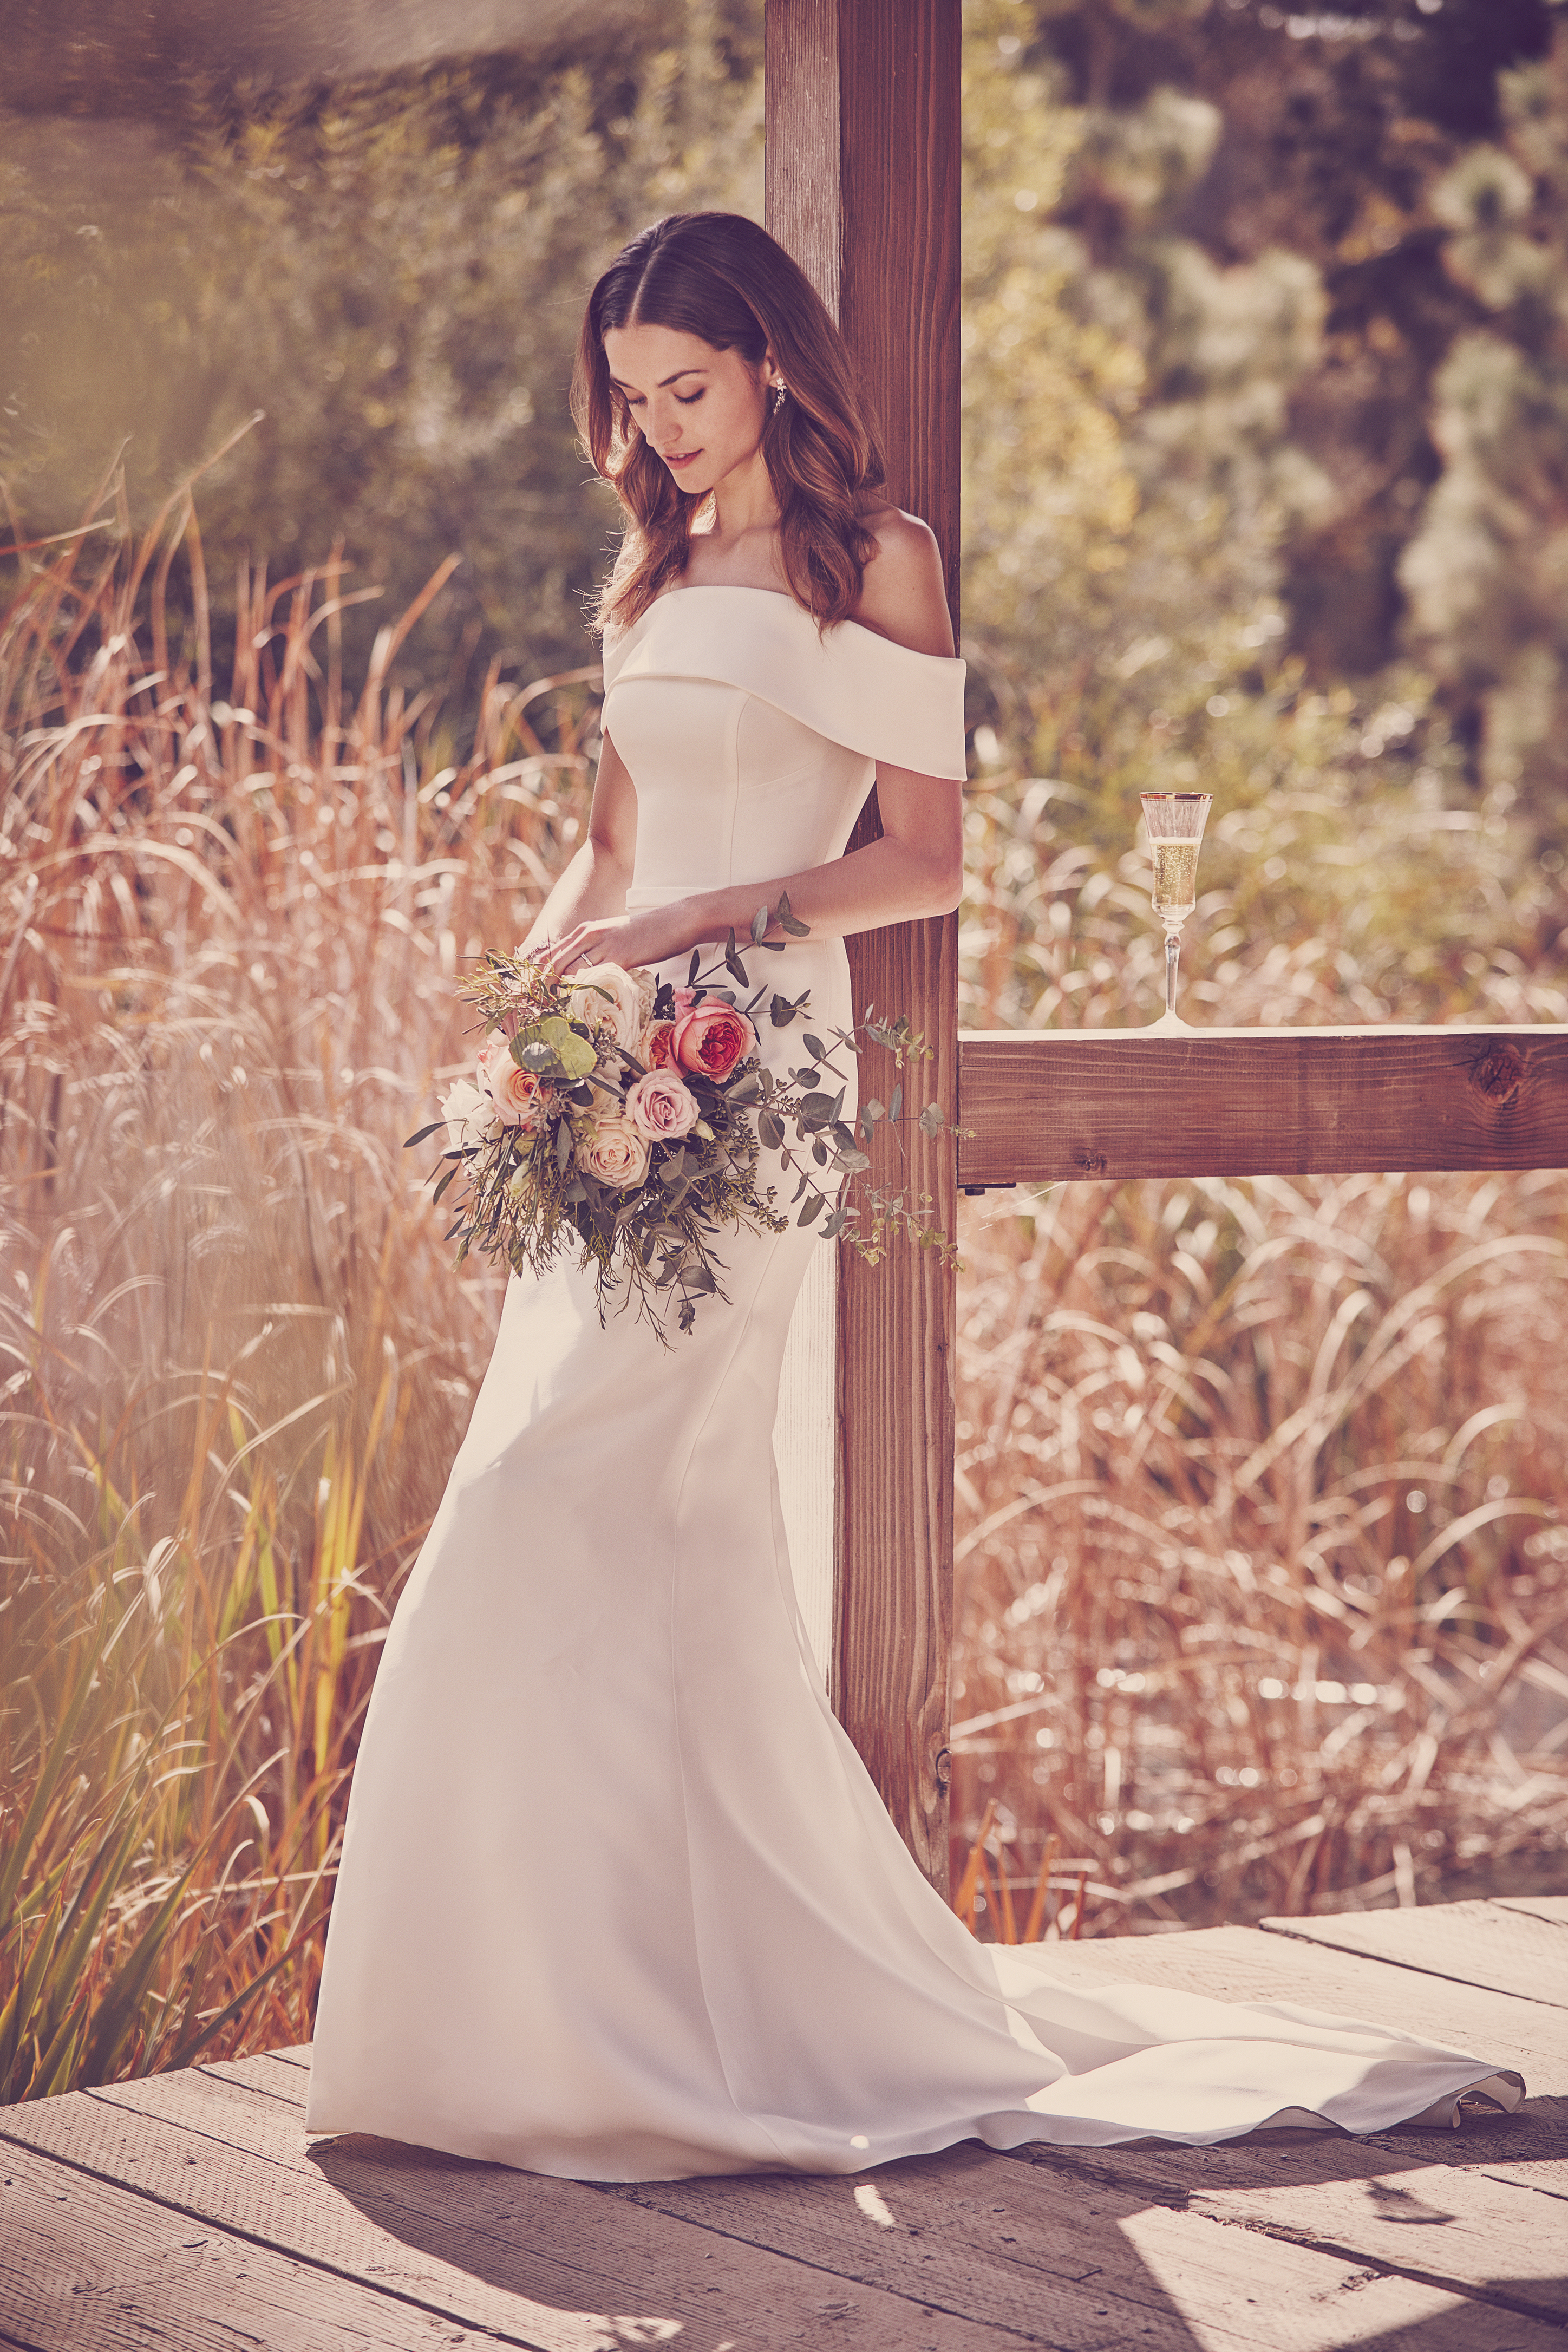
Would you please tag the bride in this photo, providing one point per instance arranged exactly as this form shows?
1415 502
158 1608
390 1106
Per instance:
617 1898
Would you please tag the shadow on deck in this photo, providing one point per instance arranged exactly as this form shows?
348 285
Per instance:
188 2211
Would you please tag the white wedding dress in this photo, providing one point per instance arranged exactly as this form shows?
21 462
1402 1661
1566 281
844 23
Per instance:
617 1899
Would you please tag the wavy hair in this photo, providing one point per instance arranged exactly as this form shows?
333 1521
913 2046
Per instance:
720 277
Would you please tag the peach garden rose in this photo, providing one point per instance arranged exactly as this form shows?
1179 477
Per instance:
712 1037
519 1095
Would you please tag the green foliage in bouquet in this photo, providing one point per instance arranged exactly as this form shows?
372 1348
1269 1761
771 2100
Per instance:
628 1116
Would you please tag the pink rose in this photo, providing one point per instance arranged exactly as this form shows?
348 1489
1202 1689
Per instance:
656 1049
712 1037
612 1150
517 1094
660 1107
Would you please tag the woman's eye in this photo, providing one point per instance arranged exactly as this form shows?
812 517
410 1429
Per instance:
688 399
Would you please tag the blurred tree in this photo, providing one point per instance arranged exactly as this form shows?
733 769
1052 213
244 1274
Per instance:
1128 472
393 271
1488 573
1334 127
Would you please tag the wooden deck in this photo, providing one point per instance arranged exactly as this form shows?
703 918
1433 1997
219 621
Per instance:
187 2210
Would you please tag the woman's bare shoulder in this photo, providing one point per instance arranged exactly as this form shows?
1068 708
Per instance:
903 596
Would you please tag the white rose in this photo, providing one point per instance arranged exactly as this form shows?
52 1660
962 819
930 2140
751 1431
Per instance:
469 1114
611 1151
602 995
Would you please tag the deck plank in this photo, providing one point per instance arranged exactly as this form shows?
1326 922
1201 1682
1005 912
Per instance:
87 2267
551 2264
1443 2241
1242 1964
1553 1908
980 2225
1499 2238
1483 1944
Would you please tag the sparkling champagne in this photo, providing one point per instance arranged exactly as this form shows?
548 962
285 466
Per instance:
1175 822
1175 878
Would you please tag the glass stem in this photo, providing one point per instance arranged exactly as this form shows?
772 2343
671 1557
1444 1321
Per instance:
1172 950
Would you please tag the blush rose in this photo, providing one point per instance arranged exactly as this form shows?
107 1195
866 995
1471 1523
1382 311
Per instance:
712 1038
613 1151
517 1093
661 1107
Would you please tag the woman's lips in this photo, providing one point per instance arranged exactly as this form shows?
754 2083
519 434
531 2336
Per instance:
681 457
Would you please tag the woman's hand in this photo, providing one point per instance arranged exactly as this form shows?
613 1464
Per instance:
651 936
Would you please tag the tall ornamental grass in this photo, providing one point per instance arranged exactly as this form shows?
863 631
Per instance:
1262 1554
235 1362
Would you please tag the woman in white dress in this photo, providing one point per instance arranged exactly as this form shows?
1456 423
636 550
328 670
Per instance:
599 1653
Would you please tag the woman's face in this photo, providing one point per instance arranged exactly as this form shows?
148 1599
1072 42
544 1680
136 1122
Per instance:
700 409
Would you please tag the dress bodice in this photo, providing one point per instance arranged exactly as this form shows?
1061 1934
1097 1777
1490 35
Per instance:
753 737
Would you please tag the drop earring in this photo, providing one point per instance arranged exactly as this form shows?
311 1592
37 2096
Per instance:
780 394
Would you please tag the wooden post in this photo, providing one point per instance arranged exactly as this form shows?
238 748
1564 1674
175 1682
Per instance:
862 131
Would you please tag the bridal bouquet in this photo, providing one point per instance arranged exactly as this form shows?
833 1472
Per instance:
632 1120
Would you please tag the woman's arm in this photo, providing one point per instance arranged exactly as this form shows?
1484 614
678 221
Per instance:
915 869
592 889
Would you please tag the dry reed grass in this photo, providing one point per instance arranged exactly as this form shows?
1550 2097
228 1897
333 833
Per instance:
237 1362
234 1360
1263 1511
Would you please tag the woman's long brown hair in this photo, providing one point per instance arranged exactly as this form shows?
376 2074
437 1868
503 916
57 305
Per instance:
721 277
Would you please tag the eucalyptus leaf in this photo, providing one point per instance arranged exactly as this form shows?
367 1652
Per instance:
812 1208
426 1132
575 1053
770 1130
781 1013
759 926
788 920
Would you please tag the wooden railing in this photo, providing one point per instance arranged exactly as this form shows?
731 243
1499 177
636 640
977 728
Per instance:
1055 1106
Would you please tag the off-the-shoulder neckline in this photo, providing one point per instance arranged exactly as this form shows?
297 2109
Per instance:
780 596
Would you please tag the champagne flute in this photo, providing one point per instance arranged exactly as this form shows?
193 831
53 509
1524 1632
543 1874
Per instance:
1176 823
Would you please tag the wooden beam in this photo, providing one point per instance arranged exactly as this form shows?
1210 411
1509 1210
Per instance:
862 132
1049 1107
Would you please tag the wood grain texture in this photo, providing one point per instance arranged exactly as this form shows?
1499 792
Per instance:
1553 1908
862 136
1116 1103
1245 1964
1501 1950
803 197
87 2267
1087 2263
527 2259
